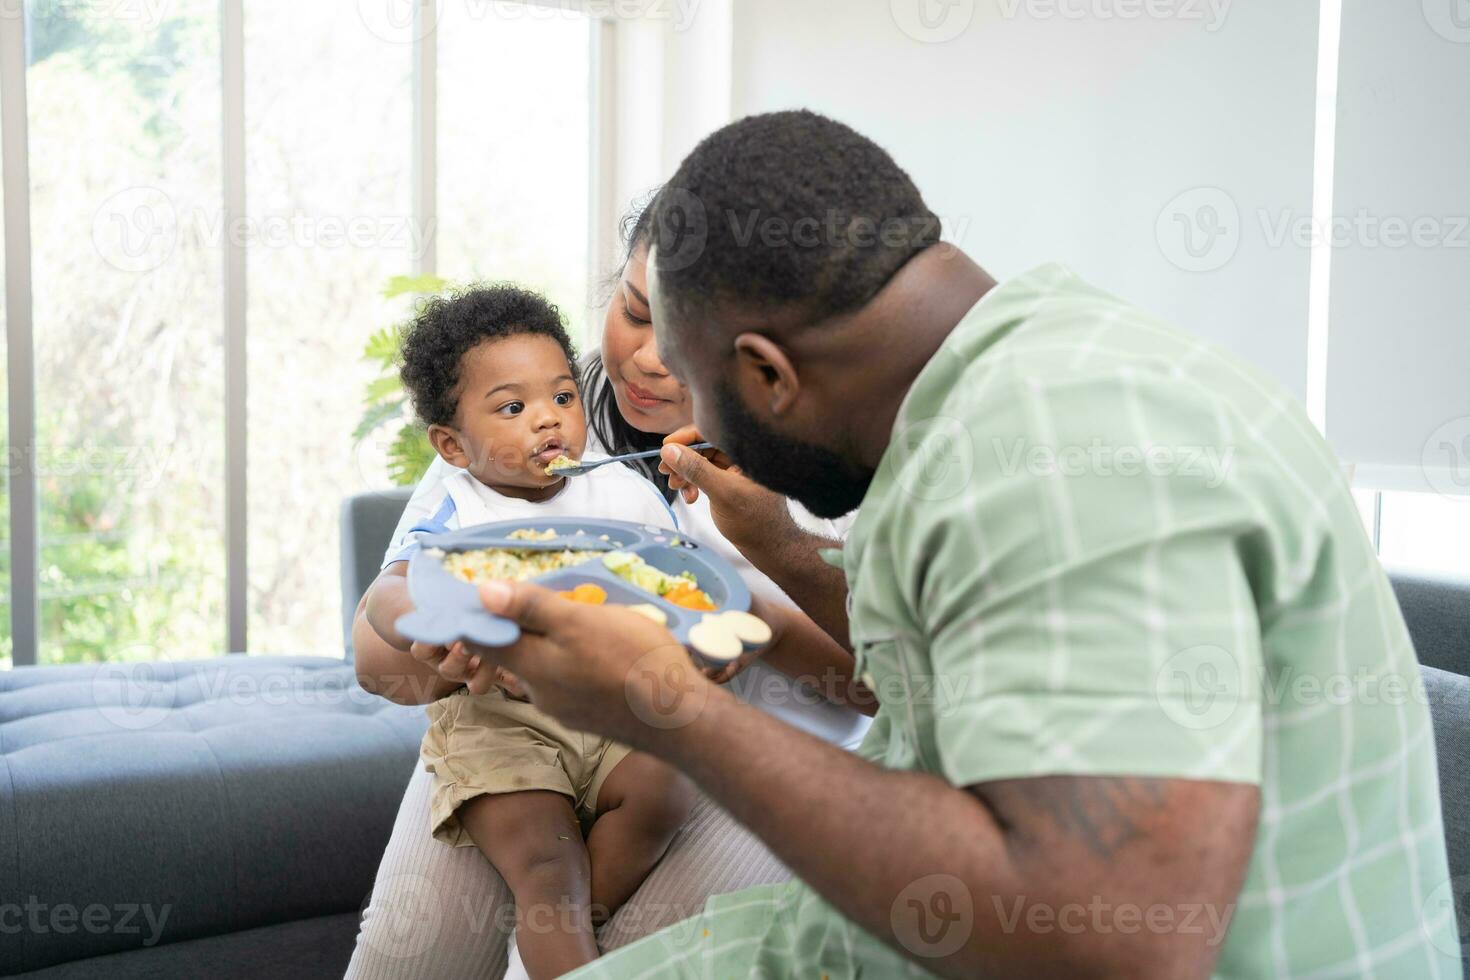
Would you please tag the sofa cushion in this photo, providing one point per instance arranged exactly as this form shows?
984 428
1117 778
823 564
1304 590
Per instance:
1437 612
308 949
1449 704
154 802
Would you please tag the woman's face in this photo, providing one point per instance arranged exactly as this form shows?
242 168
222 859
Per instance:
647 395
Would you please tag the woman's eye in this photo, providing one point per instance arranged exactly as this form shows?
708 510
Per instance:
565 398
511 408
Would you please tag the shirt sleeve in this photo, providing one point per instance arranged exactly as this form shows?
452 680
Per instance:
1084 615
430 510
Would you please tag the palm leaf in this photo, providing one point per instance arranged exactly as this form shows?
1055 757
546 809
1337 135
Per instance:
383 346
409 456
385 386
419 285
374 417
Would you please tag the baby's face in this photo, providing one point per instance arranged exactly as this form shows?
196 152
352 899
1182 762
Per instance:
518 410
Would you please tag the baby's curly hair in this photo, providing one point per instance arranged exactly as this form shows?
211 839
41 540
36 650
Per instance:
449 327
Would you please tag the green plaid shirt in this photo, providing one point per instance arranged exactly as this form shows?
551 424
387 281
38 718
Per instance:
1097 546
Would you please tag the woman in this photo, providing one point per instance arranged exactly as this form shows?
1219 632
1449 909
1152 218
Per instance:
444 912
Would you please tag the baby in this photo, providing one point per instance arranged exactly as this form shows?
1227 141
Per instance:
491 374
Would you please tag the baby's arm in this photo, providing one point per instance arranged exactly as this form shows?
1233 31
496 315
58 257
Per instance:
387 599
385 664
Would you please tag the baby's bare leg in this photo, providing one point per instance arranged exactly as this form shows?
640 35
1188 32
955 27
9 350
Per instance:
641 805
534 841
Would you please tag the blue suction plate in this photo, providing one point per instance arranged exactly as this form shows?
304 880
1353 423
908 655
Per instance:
449 609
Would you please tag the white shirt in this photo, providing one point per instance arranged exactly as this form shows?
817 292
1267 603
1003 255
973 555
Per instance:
452 499
433 504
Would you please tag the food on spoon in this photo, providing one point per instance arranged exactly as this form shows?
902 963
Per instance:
586 593
560 463
681 590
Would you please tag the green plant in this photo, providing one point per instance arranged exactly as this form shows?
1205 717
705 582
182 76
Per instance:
385 404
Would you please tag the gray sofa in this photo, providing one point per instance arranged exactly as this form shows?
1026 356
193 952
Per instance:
224 818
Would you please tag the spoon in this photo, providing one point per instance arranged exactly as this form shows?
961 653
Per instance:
579 468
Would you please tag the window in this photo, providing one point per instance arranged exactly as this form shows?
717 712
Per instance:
328 116
531 228
1426 532
124 122
126 113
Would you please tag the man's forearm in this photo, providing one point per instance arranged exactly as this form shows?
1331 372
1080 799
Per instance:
793 563
857 833
889 848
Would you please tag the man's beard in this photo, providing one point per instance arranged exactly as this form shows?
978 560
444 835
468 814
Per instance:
820 480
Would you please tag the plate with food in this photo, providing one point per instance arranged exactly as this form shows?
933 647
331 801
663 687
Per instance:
654 571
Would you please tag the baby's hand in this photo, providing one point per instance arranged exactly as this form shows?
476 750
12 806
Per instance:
456 664
510 682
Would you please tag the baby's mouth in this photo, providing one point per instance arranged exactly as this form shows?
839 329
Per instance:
546 451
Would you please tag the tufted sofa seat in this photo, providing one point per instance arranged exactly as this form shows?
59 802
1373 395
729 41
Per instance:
145 807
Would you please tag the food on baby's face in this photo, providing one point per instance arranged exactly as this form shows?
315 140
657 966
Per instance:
586 593
560 463
681 590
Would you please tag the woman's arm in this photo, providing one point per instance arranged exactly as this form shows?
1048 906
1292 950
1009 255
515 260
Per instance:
803 651
759 524
392 668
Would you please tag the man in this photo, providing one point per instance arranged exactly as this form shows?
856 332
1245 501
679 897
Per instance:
1145 695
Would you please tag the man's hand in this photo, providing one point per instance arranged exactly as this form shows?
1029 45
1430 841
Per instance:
600 669
744 511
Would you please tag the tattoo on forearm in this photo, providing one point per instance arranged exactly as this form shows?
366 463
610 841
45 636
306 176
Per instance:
1101 811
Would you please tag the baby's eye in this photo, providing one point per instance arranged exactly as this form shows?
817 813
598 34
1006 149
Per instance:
511 408
565 397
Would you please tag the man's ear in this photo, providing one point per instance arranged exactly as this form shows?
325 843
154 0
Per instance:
449 446
764 363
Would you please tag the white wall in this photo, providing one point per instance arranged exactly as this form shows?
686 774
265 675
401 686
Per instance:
1043 138
1398 359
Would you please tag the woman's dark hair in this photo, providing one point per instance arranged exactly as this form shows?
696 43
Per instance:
603 417
447 328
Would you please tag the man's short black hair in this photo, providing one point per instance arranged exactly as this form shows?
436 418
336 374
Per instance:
787 210
449 327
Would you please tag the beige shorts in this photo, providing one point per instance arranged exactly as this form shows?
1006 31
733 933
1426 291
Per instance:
491 743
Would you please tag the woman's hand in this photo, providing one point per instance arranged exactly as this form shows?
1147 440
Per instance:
600 669
743 510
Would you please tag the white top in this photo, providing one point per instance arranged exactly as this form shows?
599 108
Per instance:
455 499
443 501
